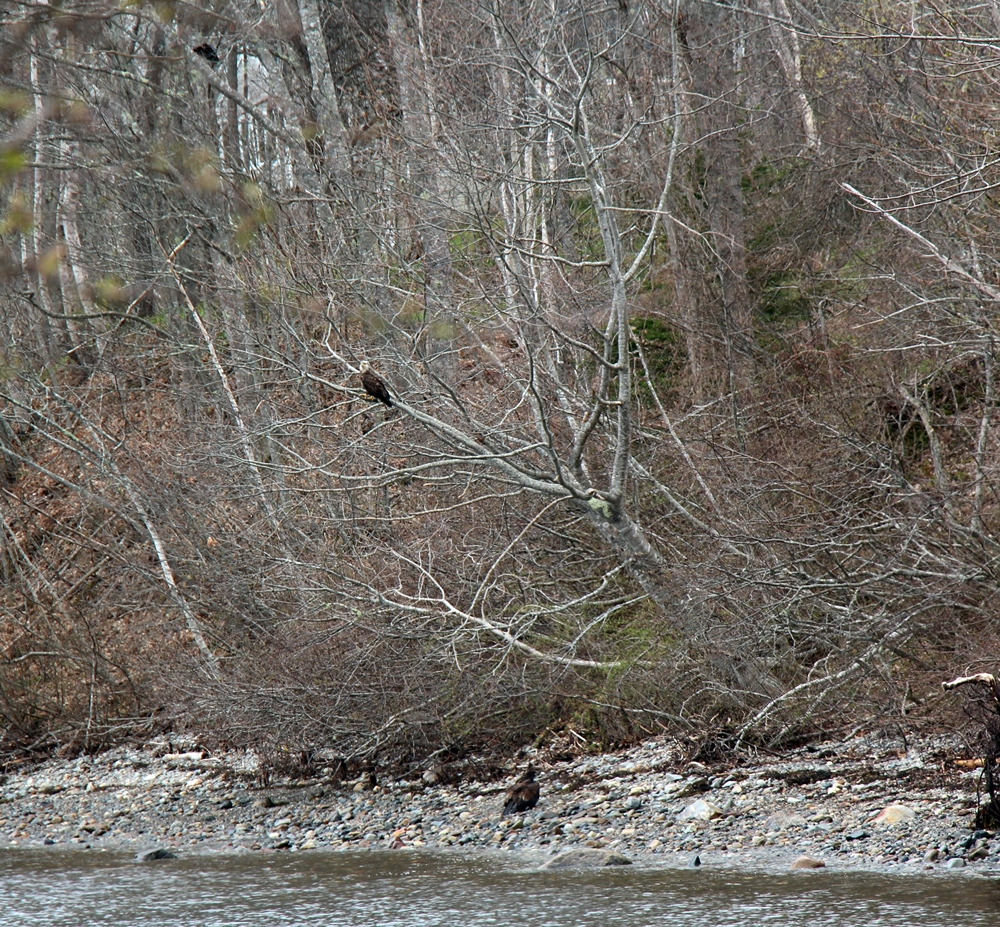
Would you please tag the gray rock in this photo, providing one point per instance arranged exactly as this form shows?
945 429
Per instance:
979 853
782 820
147 856
956 862
932 855
693 785
700 810
912 760
586 859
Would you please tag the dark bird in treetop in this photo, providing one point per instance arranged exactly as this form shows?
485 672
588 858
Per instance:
207 52
373 385
523 794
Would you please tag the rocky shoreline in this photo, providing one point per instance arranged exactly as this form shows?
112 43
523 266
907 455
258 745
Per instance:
861 804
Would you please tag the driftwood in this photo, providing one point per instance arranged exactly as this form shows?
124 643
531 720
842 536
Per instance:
985 679
988 715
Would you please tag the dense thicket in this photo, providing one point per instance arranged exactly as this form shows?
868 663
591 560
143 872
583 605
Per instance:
688 311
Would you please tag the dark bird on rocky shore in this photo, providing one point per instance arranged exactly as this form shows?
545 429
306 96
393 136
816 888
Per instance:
207 52
523 794
373 384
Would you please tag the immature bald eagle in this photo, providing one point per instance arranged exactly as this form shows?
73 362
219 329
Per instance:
523 794
373 385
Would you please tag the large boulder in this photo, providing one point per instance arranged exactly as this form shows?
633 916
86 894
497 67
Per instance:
807 862
147 856
586 859
700 810
895 814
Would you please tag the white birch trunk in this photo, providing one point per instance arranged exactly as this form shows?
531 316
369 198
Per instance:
788 49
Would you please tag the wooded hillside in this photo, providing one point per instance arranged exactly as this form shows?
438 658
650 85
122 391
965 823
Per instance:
687 310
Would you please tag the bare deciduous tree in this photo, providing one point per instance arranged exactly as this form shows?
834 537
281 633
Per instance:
686 312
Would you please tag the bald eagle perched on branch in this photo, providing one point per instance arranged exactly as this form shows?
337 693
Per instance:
373 385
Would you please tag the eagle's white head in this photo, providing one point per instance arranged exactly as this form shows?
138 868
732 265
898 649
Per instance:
365 367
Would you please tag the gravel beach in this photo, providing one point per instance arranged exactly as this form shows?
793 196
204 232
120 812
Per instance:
861 804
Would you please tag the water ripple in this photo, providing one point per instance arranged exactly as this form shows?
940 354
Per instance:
73 889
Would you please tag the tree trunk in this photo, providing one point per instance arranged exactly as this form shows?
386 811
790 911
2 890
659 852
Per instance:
708 37
356 36
426 196
231 134
76 288
785 41
38 185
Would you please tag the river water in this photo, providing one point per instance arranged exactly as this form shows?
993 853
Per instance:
408 889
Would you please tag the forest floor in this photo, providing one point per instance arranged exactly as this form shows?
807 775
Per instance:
827 802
